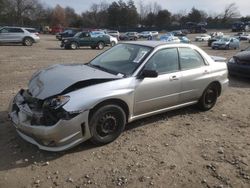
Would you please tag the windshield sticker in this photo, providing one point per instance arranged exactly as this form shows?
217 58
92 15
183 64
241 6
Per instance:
120 75
140 56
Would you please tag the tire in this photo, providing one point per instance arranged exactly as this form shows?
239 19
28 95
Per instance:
112 43
73 45
208 98
100 45
227 47
106 124
28 41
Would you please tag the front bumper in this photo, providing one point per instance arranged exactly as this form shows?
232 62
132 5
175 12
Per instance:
63 135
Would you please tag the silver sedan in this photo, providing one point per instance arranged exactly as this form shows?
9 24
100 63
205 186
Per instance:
66 105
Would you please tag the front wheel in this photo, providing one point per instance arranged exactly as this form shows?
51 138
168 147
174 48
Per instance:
73 46
100 45
106 124
208 98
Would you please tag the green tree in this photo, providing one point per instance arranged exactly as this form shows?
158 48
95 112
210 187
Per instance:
163 19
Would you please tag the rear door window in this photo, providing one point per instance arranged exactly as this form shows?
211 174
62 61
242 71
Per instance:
15 30
190 59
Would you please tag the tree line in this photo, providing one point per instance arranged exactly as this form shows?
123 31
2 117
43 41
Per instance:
116 15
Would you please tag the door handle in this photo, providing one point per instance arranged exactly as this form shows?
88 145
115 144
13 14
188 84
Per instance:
205 72
174 77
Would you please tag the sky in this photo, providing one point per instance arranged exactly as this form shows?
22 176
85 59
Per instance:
174 6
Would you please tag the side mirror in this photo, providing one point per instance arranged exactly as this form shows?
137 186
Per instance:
148 74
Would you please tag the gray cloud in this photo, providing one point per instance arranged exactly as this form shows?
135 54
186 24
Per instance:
173 6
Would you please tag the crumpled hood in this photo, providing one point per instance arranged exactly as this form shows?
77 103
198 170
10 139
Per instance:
57 78
220 43
243 56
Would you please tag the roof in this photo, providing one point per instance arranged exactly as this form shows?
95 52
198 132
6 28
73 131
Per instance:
154 43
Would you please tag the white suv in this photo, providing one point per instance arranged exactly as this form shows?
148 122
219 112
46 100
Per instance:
26 36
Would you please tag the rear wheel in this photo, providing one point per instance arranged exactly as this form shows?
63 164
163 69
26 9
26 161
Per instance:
28 42
100 45
208 98
112 43
73 45
107 123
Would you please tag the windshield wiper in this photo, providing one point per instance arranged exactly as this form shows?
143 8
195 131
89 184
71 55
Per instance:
102 68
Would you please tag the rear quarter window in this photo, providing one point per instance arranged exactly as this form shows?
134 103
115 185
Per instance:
190 59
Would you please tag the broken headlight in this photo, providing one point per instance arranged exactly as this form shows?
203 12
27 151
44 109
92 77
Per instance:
57 102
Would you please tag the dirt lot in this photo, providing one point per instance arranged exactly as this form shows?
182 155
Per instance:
183 148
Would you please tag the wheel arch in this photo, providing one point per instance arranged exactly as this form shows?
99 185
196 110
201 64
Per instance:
217 84
28 37
114 101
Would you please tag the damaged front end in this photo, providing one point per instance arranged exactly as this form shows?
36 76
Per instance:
46 124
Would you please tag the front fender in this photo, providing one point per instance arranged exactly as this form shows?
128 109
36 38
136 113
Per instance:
82 101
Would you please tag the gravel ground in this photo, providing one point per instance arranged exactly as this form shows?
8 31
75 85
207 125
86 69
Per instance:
182 148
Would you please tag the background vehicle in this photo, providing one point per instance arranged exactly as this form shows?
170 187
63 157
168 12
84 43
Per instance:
240 26
184 39
56 29
113 33
244 36
226 43
130 81
145 34
169 38
67 33
203 37
129 36
25 36
178 33
193 27
239 64
213 39
93 40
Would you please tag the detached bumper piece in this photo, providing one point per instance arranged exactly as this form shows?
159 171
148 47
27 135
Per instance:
27 116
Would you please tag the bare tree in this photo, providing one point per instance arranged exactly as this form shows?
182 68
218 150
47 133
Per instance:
231 11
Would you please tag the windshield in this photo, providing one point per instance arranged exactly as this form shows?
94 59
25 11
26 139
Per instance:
78 34
122 59
224 40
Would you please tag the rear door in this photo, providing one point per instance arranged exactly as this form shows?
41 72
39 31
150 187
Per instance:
4 35
152 94
195 74
16 34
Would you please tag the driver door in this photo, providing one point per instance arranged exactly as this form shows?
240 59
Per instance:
152 94
85 39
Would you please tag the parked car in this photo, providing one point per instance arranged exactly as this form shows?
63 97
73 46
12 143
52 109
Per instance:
129 36
67 33
86 39
154 34
56 29
226 43
240 26
184 39
213 39
169 38
66 105
145 34
239 64
113 33
216 34
203 37
25 36
244 36
178 33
